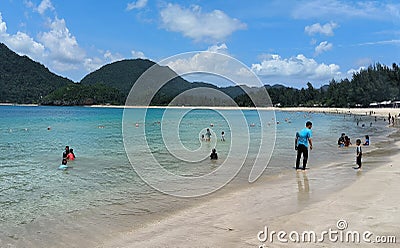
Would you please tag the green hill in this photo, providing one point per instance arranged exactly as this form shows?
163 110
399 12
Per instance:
120 75
23 80
123 74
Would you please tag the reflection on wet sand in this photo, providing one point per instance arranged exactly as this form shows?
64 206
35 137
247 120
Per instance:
303 186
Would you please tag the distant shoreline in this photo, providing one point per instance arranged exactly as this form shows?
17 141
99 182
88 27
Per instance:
331 110
19 104
355 111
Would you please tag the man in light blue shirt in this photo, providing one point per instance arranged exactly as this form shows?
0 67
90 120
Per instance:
303 139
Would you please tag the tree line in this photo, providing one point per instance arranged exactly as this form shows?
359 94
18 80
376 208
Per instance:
376 83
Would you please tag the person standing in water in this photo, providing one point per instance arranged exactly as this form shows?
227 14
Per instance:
303 140
214 155
366 143
341 140
208 135
66 152
358 154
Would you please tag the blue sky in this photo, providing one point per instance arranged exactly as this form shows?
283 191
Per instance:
288 42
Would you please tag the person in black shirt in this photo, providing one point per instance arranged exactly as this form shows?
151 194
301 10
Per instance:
66 152
341 140
214 155
358 154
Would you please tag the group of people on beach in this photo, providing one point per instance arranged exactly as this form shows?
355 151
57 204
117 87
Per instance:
392 119
303 141
68 155
345 141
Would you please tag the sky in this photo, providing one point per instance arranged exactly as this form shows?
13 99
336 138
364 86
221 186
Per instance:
288 42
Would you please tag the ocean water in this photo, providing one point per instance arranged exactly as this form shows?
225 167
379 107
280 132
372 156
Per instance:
102 193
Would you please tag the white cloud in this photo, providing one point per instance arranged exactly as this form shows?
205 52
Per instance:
20 42
316 28
92 64
394 10
352 71
62 45
24 44
29 4
56 48
199 26
136 5
3 25
215 65
375 10
110 57
138 54
382 42
323 47
313 42
271 70
299 67
222 48
200 62
362 62
44 5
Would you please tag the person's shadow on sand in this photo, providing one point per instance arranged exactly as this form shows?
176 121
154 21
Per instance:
303 186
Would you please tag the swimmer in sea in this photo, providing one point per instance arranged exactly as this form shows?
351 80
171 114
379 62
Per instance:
214 155
63 165
71 155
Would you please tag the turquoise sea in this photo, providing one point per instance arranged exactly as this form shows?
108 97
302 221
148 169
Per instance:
102 194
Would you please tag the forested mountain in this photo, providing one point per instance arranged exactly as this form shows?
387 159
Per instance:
123 74
24 81
120 75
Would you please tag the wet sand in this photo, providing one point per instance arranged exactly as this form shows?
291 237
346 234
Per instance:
300 201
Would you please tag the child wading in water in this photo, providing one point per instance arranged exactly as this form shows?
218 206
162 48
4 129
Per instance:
359 154
214 155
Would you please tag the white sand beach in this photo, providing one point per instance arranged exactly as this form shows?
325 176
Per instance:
370 204
355 111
